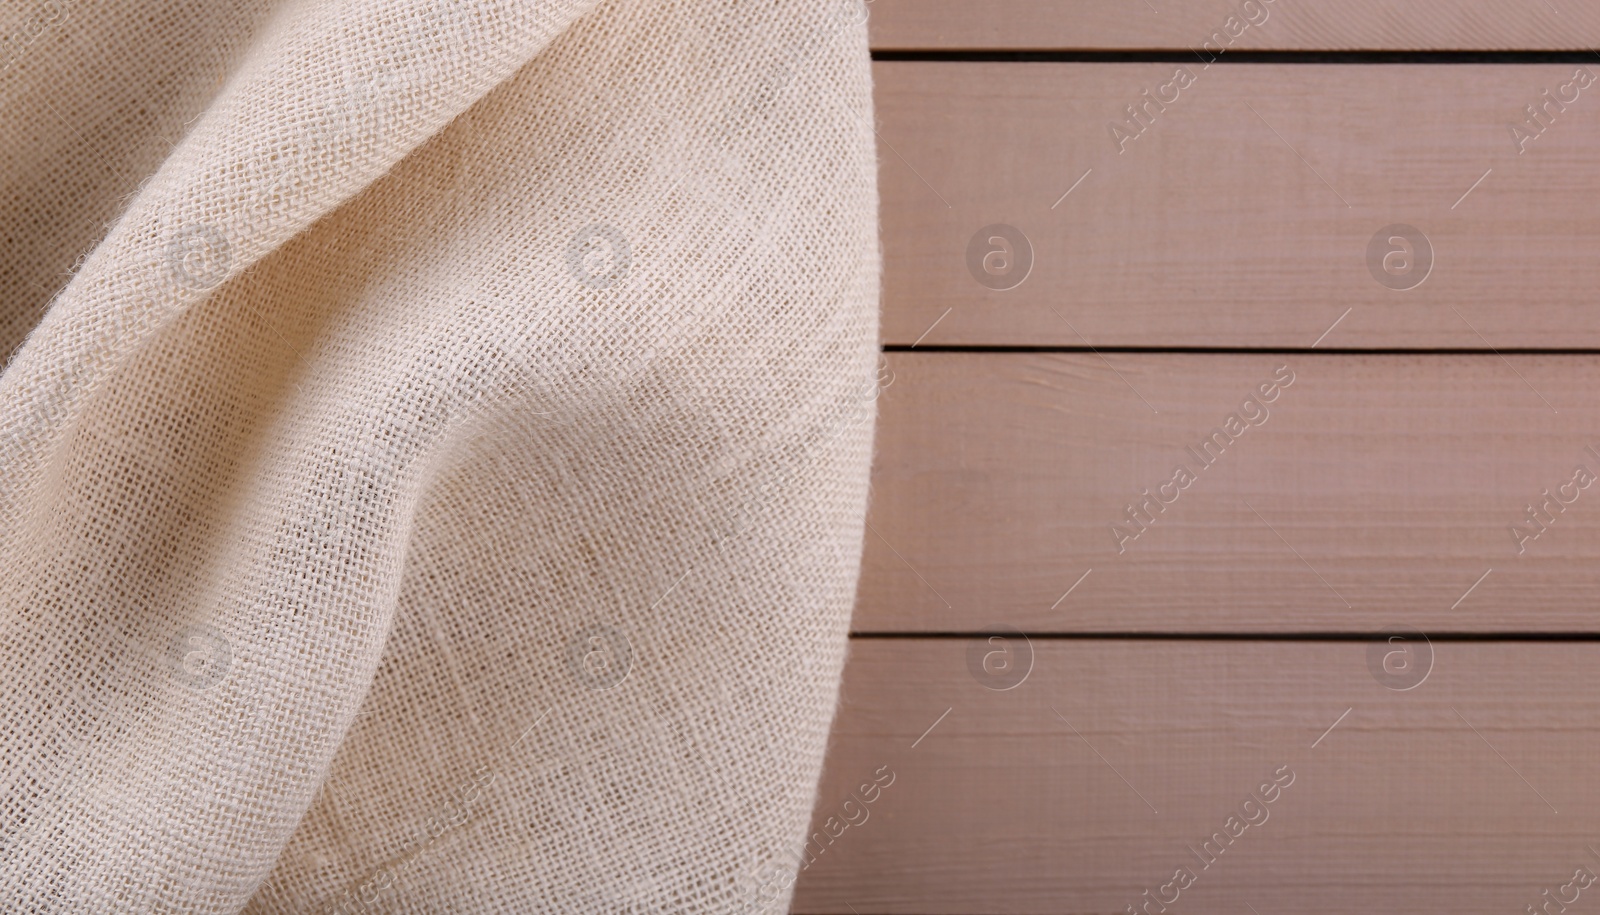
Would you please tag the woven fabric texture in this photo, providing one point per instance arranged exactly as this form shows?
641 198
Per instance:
434 450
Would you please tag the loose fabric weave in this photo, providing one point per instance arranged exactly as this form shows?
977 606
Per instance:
434 455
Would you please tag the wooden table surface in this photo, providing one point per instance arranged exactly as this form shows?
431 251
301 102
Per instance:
1233 539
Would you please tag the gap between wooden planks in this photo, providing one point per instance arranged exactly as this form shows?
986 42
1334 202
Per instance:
1373 490
1247 213
1259 24
1092 780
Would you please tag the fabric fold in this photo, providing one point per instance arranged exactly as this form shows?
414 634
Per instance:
330 95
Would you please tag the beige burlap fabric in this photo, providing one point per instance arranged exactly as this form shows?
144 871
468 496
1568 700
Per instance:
433 461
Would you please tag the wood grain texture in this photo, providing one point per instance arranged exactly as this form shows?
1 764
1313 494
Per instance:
1243 215
1283 24
1470 793
1373 490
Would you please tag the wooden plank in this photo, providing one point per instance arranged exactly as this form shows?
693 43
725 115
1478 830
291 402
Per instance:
1092 780
1372 490
1260 25
1251 212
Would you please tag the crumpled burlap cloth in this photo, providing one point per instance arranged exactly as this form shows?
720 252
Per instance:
434 459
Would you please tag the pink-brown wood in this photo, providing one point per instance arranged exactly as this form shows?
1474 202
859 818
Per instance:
1244 214
1470 793
1260 25
1372 490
